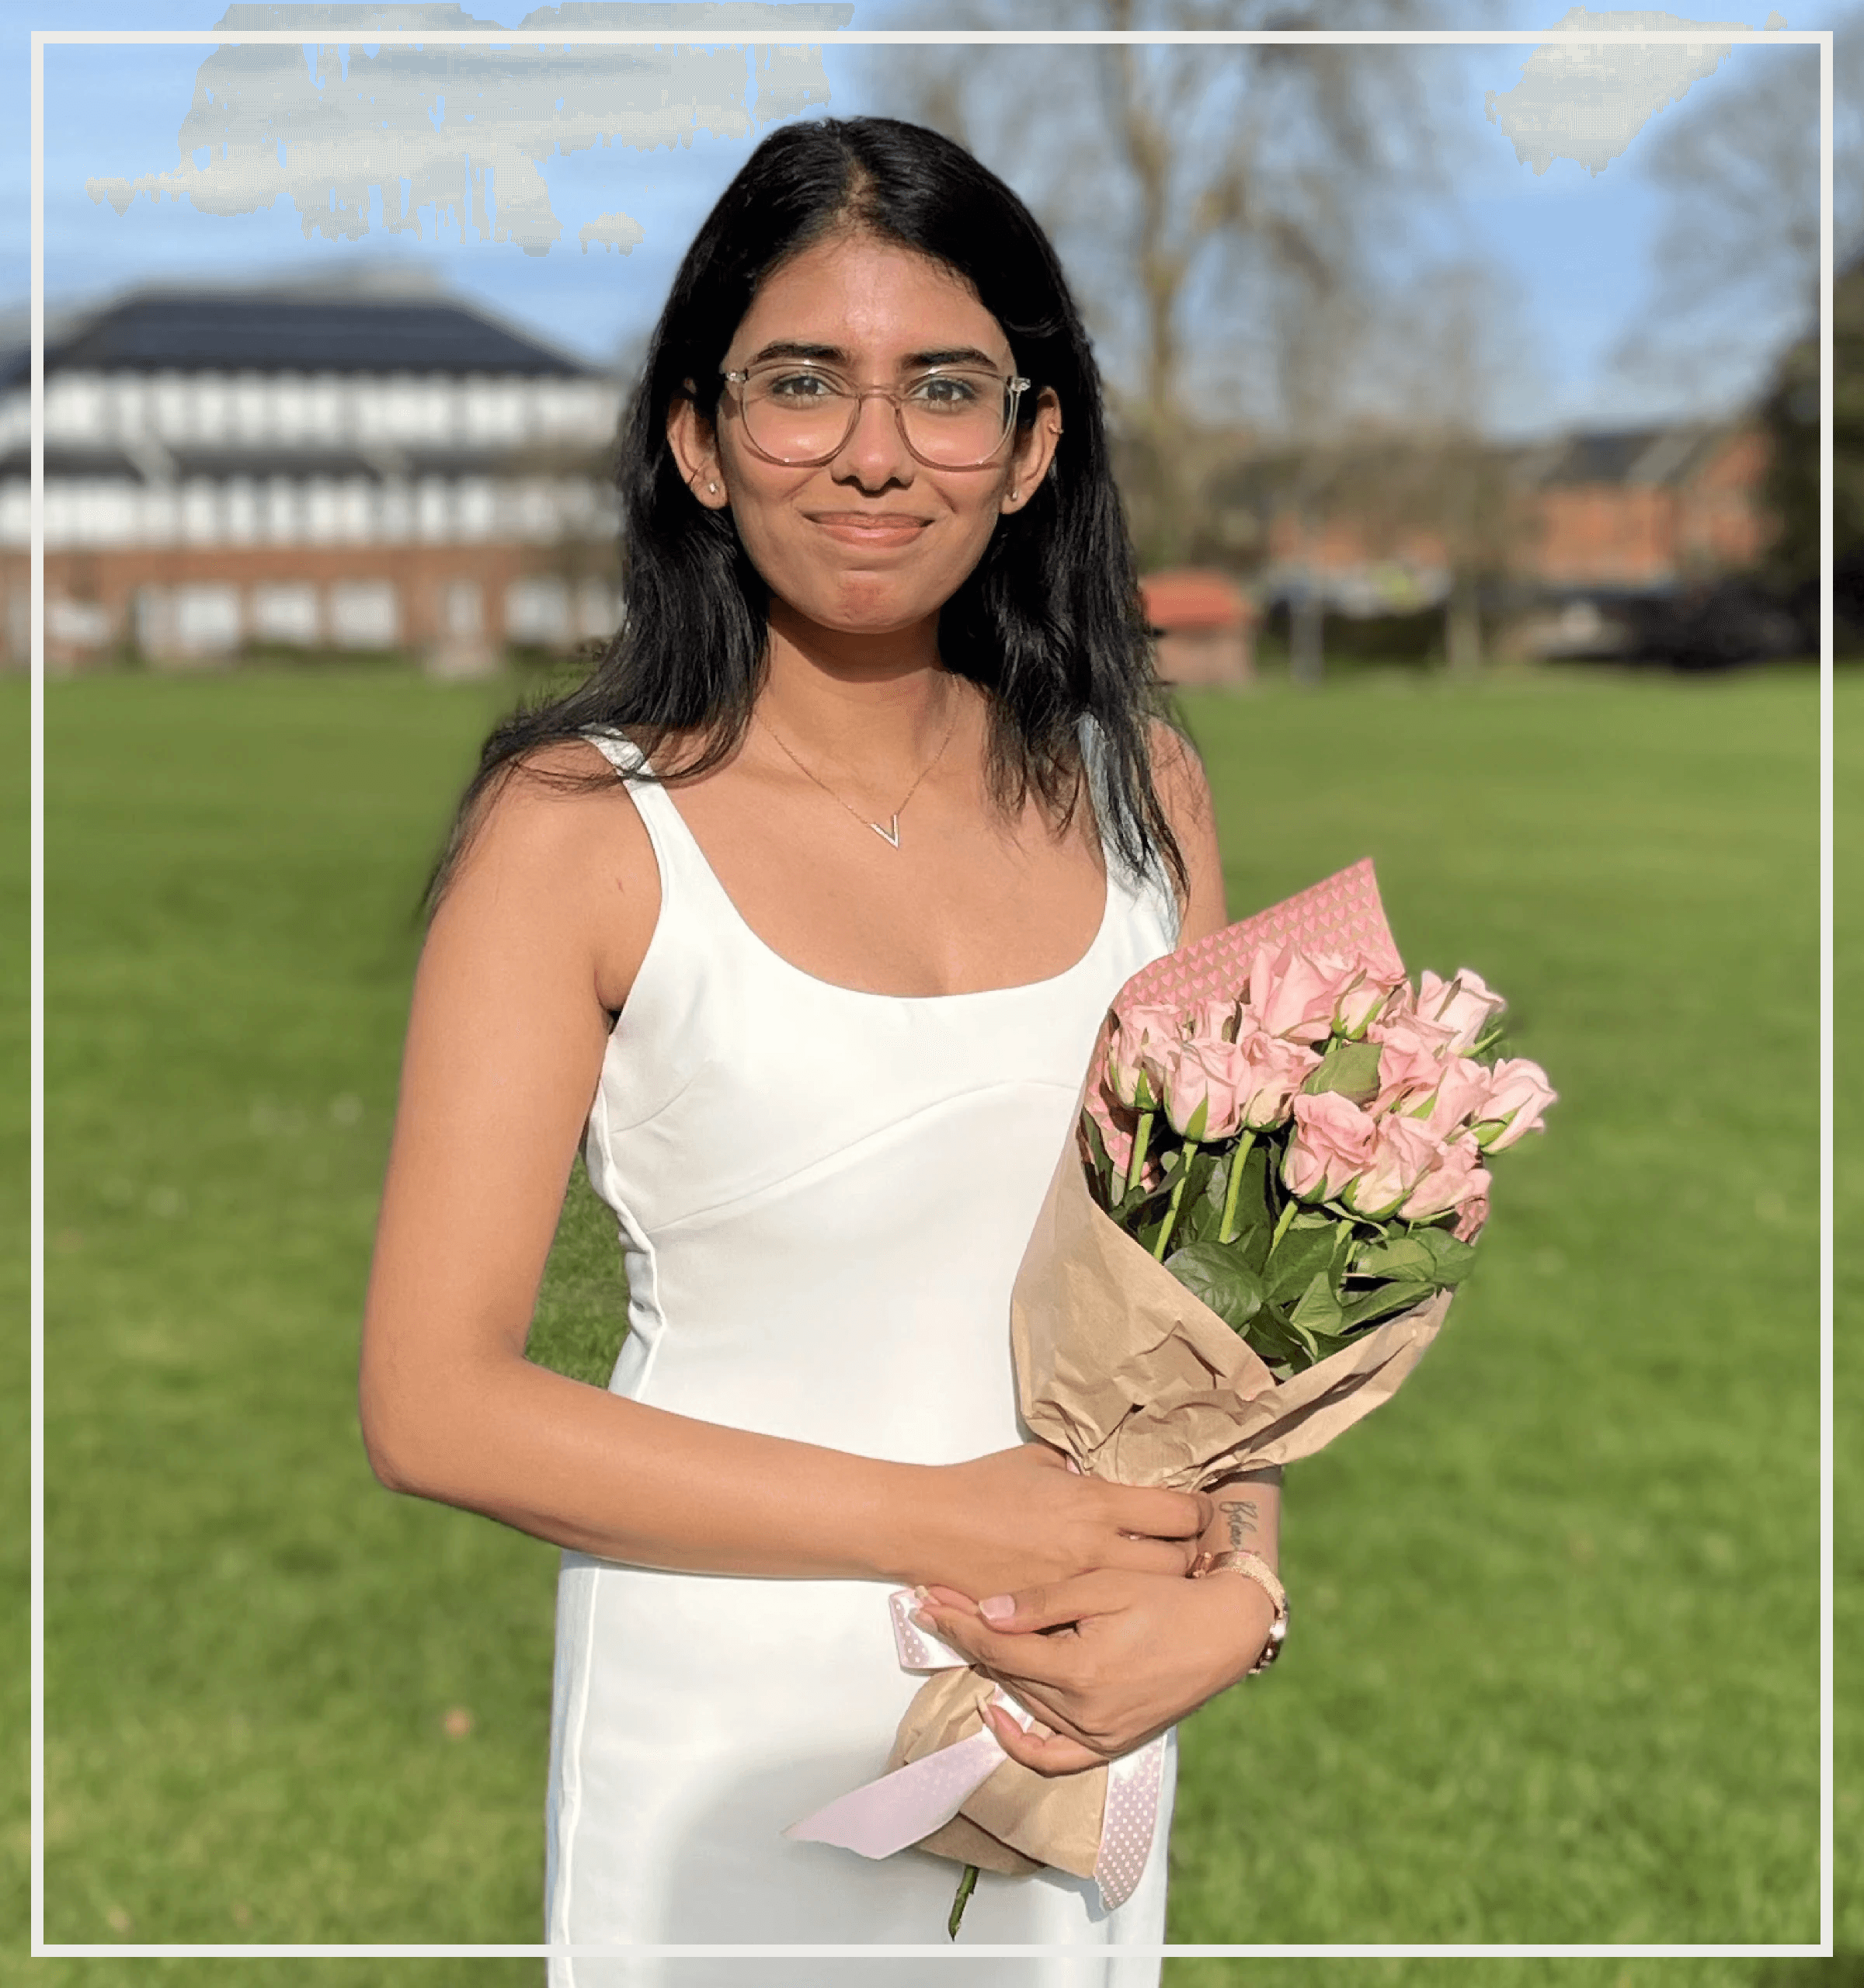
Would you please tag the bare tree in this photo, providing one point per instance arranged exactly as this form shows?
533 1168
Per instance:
1735 272
1220 209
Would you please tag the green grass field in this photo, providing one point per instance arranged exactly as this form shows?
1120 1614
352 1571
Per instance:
1553 1673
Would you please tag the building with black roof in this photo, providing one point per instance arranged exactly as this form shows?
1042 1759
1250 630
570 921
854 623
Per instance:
378 466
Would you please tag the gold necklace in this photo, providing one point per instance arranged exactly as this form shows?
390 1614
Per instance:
888 835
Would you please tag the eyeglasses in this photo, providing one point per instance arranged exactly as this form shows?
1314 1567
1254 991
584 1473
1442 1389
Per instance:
953 417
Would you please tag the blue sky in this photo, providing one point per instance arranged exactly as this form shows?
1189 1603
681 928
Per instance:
1579 245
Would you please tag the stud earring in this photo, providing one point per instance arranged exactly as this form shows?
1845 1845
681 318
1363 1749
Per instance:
1015 496
713 488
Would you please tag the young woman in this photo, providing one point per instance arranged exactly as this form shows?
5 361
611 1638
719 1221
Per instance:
801 915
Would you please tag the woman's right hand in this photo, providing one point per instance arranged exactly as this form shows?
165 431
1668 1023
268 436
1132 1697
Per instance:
998 1524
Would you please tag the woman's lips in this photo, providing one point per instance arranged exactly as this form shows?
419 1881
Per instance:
870 528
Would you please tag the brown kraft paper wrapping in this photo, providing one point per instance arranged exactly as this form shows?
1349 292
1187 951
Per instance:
1121 1367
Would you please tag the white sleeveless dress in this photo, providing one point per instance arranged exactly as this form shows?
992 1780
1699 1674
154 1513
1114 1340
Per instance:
823 1195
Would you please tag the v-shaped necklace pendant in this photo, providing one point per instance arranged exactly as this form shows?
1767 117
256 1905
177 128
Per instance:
890 836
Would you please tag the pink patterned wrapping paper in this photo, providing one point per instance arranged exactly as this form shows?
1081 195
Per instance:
1341 915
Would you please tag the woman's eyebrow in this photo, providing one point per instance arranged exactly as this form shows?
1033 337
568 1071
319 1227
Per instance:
828 354
834 355
968 355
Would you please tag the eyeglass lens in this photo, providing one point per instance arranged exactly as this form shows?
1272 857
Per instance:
955 418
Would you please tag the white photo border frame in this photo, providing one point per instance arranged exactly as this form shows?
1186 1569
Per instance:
41 38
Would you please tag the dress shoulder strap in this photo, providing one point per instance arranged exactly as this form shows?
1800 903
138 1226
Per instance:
676 852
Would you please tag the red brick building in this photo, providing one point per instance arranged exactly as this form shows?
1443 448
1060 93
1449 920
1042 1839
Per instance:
1634 512
229 469
1644 509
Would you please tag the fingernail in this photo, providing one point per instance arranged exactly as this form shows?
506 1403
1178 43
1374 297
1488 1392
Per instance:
997 1608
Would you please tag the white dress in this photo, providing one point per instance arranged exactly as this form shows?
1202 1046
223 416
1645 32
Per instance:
823 1195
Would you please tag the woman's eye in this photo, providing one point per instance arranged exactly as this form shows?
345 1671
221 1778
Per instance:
800 387
945 390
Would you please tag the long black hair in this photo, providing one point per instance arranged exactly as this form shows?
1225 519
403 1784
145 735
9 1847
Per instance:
1049 622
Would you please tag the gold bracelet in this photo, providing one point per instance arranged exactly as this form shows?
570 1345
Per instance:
1251 1566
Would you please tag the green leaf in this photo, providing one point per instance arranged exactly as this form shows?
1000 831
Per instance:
1268 1336
1351 1069
1200 1214
1386 1301
1216 1275
1396 1256
1318 1309
1101 1170
1144 1203
1305 1250
1451 1260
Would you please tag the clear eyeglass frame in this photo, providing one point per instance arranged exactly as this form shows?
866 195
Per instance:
1014 385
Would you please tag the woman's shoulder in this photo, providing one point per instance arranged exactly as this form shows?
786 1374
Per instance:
554 839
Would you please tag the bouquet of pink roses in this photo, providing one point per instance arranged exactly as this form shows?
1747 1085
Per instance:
1306 1155
1276 1180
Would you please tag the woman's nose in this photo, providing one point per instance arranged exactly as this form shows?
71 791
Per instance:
875 452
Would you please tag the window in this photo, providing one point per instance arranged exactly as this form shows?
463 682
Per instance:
537 609
286 613
206 620
364 614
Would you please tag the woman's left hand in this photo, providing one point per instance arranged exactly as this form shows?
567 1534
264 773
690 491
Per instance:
1124 1657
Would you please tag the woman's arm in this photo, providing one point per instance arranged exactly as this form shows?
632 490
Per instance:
1126 1656
1184 793
505 1046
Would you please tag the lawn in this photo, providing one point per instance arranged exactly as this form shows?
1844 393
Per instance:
1554 1671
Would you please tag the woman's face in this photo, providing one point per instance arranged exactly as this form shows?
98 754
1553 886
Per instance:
871 541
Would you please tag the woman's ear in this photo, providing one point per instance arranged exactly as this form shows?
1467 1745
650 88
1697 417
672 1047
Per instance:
695 445
1033 451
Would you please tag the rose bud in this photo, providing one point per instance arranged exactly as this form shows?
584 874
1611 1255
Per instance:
1201 1089
1518 1093
1126 1074
1331 1145
1463 1005
1402 1153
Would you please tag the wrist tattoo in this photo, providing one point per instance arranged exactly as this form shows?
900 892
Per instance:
1244 1515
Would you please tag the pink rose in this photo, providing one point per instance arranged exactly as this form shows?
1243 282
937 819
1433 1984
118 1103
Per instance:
1461 1097
1360 995
1469 1220
1455 1178
1270 1072
1290 995
1126 1076
1518 1092
1402 1153
1331 1146
1463 1005
1411 1061
1199 1083
1215 1021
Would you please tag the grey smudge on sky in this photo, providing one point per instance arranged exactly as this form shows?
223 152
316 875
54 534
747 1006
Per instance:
461 131
1588 100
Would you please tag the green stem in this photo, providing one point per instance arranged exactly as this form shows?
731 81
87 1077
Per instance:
1287 1215
1227 1232
1171 1208
966 1885
1141 1139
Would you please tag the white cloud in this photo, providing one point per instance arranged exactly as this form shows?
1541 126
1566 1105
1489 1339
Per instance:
459 132
1587 100
620 231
